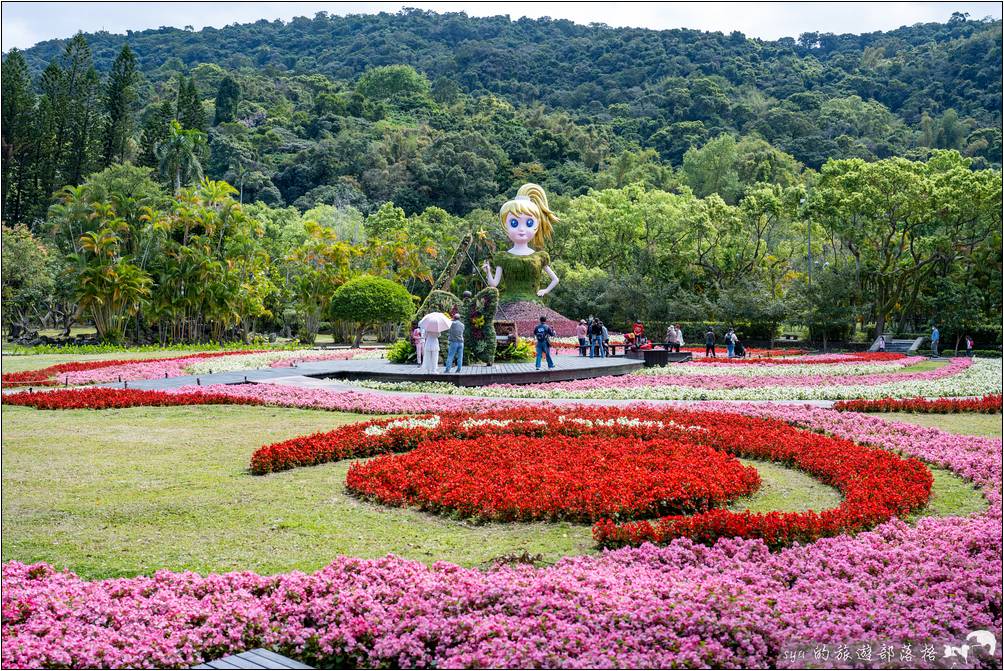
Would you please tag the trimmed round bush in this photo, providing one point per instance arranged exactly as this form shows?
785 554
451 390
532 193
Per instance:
368 301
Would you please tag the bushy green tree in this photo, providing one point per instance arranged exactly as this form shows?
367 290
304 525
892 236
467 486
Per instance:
368 301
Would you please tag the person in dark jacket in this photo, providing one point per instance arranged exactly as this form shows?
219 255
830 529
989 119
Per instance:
709 343
596 339
543 334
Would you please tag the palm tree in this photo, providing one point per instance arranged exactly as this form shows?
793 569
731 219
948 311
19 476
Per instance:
179 155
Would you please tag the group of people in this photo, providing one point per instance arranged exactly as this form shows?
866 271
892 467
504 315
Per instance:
733 347
936 342
427 346
674 337
593 337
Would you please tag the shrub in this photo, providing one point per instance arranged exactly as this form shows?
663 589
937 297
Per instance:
403 351
516 352
479 331
368 300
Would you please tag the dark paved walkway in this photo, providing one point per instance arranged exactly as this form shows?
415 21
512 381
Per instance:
566 368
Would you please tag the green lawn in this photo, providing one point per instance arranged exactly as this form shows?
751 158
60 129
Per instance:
920 367
125 492
967 424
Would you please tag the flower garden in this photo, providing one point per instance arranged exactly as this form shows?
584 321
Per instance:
576 524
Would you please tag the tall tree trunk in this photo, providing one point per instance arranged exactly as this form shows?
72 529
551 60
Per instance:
879 324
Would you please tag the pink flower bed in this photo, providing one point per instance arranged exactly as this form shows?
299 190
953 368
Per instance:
365 402
337 355
734 604
143 369
739 382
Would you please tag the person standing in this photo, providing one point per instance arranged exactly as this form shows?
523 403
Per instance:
430 357
969 346
596 339
455 350
582 333
935 340
606 339
638 329
418 341
881 343
709 343
730 343
543 333
679 338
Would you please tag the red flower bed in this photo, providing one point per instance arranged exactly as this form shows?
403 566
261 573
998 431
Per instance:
989 405
876 484
48 377
101 398
504 477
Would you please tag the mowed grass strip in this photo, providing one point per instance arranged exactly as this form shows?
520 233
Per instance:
963 423
126 492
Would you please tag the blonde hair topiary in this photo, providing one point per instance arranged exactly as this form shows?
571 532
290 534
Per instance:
531 200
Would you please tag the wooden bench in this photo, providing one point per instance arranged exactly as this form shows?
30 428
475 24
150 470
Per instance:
259 658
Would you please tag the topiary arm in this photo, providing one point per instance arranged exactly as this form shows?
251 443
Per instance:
554 281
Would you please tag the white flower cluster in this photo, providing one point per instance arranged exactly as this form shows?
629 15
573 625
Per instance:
628 421
781 370
471 423
406 423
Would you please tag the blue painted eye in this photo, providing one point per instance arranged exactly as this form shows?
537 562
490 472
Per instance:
514 223
529 223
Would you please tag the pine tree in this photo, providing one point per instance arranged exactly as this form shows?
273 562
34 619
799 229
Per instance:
227 97
50 137
190 113
17 129
156 128
120 99
71 120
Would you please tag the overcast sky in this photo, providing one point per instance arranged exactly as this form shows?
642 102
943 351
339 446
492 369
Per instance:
26 23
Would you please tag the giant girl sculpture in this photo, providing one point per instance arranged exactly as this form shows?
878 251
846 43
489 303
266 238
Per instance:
526 220
514 279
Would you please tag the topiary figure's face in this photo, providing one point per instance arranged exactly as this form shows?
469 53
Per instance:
521 228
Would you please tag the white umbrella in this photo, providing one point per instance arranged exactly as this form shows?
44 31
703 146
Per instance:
435 322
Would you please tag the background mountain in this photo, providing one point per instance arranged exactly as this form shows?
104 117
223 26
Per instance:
487 103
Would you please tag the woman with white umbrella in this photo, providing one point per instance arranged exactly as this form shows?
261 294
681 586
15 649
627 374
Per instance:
433 324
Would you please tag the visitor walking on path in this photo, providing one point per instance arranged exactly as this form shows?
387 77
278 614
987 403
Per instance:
969 346
935 339
730 343
709 344
456 344
881 343
606 339
417 339
582 333
596 339
543 333
678 343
